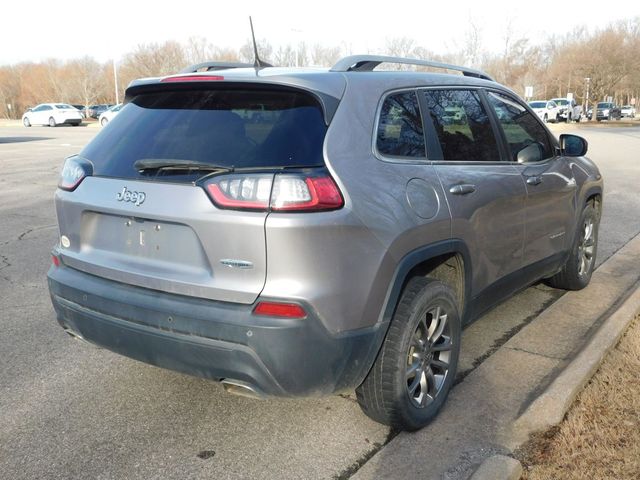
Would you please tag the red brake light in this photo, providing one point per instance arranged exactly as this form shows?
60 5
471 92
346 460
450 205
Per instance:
277 309
192 78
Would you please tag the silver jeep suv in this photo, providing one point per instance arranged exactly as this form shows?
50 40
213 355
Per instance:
294 232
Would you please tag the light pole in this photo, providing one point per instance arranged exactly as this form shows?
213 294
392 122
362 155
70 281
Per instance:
115 80
586 97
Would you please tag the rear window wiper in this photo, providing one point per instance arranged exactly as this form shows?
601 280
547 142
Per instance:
177 164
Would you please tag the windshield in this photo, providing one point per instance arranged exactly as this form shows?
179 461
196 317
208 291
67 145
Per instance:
230 128
64 106
561 102
538 104
604 105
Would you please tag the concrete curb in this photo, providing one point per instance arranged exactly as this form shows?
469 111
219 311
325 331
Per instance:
551 406
498 467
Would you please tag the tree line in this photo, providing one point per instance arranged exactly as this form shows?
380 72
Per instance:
598 64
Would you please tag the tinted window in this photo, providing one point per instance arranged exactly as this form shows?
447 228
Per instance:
521 129
46 107
462 125
232 128
400 131
537 104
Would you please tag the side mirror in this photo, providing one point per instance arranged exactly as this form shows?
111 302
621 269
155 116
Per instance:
573 145
531 153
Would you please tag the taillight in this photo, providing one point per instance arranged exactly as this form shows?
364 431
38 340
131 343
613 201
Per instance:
55 260
299 192
244 192
75 170
278 309
280 192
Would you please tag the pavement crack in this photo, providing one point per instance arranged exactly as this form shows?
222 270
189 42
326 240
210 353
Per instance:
357 465
34 229
552 357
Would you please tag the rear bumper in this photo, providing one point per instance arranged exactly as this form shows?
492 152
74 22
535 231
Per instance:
211 339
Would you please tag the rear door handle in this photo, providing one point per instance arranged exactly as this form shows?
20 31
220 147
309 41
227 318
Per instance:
534 180
462 189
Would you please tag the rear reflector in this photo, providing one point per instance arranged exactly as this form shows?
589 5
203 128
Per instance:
193 78
277 309
55 260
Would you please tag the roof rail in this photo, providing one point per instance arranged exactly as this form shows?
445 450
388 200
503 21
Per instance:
366 63
214 66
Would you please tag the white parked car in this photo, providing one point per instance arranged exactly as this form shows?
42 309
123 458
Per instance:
628 111
106 116
570 111
52 114
547 110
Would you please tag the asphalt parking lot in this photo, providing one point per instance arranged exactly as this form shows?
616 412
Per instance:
69 410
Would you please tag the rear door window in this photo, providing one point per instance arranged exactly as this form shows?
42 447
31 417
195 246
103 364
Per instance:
462 126
400 133
231 128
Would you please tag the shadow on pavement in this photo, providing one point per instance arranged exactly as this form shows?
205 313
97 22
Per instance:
22 139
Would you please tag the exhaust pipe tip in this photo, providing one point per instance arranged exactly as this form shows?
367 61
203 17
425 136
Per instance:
242 389
80 338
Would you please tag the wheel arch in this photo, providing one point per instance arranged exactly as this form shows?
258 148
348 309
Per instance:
447 261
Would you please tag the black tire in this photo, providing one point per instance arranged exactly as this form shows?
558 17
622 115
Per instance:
576 272
26 122
545 119
415 369
52 122
103 122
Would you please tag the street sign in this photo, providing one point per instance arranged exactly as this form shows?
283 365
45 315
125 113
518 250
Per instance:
569 96
528 92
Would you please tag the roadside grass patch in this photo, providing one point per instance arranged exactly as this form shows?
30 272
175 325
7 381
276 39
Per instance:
600 435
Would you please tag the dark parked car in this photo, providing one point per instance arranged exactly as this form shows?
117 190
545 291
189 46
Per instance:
302 232
96 110
81 109
608 111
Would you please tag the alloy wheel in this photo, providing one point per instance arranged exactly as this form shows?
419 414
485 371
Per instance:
587 246
428 357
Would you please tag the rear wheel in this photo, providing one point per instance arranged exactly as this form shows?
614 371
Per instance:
545 119
26 122
104 121
52 122
416 366
576 272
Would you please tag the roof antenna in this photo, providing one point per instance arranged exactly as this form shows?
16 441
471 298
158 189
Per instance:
257 63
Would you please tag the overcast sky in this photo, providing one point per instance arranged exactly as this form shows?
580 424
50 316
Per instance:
33 30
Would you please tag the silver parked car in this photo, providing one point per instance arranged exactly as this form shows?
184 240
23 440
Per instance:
293 232
106 116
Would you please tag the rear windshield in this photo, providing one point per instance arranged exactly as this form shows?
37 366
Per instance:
538 104
238 128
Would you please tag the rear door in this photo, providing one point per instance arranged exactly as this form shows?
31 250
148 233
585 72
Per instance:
157 227
486 196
